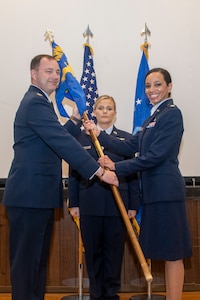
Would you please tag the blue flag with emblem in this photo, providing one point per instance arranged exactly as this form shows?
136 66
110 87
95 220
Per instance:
142 106
88 81
69 87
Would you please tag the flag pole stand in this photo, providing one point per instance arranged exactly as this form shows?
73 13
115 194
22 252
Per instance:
149 295
80 295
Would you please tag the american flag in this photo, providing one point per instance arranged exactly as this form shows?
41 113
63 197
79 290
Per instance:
88 81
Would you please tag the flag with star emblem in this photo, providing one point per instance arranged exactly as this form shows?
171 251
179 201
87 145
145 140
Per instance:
69 86
88 81
142 106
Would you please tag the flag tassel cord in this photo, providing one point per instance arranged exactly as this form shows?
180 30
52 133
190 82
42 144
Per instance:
123 212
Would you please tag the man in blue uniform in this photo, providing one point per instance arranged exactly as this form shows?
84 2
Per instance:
34 185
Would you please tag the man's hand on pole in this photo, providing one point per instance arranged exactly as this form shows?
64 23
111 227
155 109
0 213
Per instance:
108 176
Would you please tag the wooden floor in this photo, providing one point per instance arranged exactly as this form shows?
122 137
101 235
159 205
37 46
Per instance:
123 296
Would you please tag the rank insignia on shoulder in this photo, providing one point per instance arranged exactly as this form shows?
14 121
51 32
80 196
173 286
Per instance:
39 94
172 105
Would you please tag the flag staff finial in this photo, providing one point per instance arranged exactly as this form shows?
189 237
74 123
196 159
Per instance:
49 35
88 33
146 32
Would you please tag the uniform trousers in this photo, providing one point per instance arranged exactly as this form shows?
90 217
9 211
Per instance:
30 236
103 240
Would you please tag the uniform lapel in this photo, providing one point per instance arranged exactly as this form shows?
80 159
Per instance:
152 118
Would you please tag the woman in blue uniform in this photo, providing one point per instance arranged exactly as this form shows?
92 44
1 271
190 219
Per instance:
164 227
102 227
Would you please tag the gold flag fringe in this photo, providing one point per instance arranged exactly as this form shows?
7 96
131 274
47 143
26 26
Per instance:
145 47
91 50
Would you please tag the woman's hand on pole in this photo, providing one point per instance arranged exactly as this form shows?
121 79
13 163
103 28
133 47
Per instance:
106 162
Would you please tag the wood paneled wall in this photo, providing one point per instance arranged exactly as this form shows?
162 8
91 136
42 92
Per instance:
63 262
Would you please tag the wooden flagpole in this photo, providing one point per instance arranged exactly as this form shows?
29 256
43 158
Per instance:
123 212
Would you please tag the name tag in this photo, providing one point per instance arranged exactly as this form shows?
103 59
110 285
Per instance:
121 138
87 147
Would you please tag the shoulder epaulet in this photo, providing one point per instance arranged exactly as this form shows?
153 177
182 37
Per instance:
171 105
